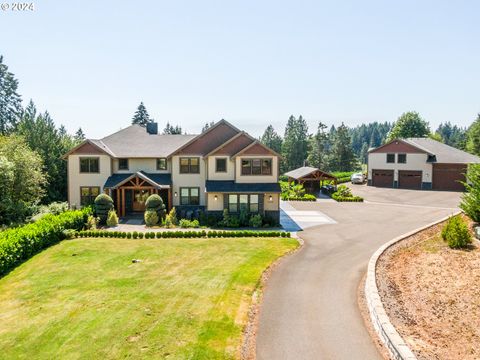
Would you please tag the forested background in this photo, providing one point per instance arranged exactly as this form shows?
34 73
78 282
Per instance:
32 171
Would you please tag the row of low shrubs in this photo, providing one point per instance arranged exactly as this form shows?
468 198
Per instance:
19 244
344 194
306 197
179 234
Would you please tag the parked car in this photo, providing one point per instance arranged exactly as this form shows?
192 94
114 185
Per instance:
357 178
328 189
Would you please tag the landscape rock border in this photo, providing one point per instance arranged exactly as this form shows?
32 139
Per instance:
387 333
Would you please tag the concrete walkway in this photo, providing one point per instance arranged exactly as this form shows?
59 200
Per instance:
310 306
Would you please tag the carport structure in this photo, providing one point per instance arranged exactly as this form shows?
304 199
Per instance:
311 178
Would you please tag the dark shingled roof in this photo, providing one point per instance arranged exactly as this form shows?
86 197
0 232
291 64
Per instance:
225 186
155 179
305 171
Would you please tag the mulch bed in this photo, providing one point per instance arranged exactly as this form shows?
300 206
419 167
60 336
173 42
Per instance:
432 295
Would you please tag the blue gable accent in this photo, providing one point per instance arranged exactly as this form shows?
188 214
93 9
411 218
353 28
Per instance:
225 186
115 179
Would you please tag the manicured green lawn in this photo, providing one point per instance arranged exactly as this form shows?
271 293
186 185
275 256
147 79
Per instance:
85 299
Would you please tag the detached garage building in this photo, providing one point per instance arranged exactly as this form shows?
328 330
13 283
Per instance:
418 163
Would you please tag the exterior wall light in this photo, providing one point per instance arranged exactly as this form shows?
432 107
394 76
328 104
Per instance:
215 198
175 194
270 198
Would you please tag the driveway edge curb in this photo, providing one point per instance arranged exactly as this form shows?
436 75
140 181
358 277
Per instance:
387 333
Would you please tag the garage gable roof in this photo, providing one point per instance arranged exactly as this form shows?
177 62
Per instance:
444 153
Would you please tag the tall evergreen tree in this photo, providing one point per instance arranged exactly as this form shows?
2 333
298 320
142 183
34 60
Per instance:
172 130
271 139
42 136
452 135
473 137
141 116
318 148
79 135
10 101
342 156
295 143
409 124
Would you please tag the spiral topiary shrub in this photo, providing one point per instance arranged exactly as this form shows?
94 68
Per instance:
103 205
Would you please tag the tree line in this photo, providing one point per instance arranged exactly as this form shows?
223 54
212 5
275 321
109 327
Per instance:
345 149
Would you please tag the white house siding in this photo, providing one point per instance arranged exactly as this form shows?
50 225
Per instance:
239 178
211 167
415 162
148 165
77 179
187 180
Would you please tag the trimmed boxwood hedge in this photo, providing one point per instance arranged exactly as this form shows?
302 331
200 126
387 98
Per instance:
181 234
337 197
19 244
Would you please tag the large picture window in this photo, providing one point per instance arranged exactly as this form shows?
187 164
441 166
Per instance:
256 166
246 202
190 165
88 195
89 164
190 196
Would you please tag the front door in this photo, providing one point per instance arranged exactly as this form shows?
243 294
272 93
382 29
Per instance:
139 199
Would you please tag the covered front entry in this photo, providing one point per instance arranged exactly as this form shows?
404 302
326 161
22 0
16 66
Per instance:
382 178
131 191
408 179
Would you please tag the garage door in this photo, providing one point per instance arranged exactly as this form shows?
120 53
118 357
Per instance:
447 177
382 178
409 179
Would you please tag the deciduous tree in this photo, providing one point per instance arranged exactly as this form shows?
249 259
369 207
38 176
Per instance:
409 124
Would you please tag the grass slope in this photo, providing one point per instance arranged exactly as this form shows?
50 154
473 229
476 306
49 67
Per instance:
84 298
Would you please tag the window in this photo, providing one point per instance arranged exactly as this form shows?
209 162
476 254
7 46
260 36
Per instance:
257 167
162 164
253 203
402 158
89 165
88 194
190 196
221 165
239 202
122 164
189 165
233 203
390 158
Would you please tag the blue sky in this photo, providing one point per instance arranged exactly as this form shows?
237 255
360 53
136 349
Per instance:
90 63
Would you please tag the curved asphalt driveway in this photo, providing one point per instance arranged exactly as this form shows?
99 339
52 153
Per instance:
310 309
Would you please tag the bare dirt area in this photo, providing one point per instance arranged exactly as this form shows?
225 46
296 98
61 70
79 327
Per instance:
432 295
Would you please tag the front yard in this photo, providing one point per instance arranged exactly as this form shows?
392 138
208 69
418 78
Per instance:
85 298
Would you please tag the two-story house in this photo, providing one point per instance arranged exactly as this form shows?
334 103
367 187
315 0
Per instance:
222 168
418 163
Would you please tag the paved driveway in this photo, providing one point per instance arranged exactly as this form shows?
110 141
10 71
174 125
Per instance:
310 306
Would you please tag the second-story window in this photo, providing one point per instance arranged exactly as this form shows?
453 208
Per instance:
390 158
122 164
402 158
221 165
89 165
257 167
190 165
162 164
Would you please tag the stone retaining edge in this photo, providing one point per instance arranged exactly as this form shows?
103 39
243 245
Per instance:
392 340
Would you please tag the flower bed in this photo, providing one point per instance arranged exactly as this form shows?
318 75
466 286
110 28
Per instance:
180 234
19 244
